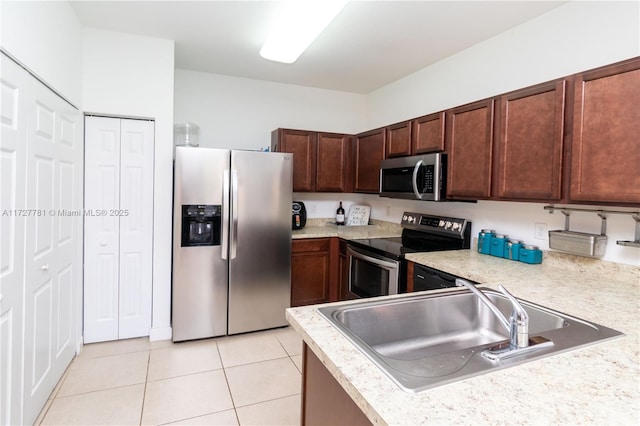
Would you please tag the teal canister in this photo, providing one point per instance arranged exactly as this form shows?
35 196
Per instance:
512 249
484 240
498 243
530 254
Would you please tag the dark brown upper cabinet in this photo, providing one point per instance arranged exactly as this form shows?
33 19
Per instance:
528 143
333 159
321 161
427 133
302 144
469 142
605 135
369 152
399 139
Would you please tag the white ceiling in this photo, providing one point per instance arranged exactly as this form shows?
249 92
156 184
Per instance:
369 45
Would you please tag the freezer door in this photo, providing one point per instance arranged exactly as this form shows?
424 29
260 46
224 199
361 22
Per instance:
200 272
259 240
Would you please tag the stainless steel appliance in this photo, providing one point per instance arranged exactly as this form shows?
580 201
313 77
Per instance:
426 278
377 266
232 241
298 215
420 177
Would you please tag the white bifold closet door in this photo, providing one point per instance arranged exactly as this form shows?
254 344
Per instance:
118 248
41 241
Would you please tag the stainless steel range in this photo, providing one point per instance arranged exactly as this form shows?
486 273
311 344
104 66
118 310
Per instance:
377 266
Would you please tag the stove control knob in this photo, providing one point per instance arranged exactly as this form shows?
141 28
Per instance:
405 217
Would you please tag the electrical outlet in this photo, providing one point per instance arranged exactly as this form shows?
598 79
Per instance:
541 231
312 208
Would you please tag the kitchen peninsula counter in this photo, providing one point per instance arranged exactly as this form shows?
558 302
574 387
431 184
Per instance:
598 384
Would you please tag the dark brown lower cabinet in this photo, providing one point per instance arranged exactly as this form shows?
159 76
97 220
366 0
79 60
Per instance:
314 271
324 401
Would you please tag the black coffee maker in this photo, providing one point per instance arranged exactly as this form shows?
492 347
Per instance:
298 215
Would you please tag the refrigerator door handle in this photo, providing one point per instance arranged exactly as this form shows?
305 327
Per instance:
234 215
225 214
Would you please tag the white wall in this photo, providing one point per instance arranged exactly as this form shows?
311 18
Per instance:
46 37
574 37
133 76
240 113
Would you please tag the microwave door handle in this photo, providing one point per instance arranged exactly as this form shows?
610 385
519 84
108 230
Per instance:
225 214
382 263
414 179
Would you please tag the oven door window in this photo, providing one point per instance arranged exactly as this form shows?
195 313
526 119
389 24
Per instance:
372 277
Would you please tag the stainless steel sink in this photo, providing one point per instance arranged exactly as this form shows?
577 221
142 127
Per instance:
429 340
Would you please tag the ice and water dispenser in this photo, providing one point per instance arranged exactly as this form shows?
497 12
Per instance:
201 225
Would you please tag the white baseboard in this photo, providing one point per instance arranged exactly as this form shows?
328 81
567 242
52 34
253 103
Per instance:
164 333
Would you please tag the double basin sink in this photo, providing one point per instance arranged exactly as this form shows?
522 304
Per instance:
428 340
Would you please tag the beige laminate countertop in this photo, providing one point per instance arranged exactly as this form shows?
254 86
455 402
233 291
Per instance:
322 228
599 384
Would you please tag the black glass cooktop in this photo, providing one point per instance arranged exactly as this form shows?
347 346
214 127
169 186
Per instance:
410 242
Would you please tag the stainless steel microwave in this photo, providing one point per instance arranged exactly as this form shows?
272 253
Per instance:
420 177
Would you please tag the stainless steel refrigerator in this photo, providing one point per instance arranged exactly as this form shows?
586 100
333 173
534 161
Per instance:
232 241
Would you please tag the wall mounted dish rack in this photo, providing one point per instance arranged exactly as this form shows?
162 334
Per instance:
591 245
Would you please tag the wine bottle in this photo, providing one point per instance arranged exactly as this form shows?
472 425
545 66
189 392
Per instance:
340 215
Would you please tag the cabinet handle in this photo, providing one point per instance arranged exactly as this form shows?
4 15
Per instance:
44 267
103 244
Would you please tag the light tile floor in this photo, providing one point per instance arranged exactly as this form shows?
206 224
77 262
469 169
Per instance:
249 379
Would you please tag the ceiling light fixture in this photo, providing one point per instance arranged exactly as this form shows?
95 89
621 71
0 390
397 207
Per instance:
299 23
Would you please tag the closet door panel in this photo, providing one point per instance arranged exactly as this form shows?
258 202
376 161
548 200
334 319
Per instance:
67 235
136 228
102 229
39 256
13 151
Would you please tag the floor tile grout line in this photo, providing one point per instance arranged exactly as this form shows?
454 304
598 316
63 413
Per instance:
226 380
99 390
144 391
269 400
256 362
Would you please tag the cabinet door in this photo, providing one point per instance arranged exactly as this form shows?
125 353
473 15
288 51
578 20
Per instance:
469 137
427 133
399 139
324 401
333 171
302 144
369 152
529 127
605 150
310 271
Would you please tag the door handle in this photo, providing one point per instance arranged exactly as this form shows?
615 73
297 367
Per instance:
225 214
234 215
414 179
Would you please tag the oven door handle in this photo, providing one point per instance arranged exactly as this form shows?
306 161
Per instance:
375 261
414 179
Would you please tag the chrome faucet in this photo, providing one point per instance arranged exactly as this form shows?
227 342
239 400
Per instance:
518 324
